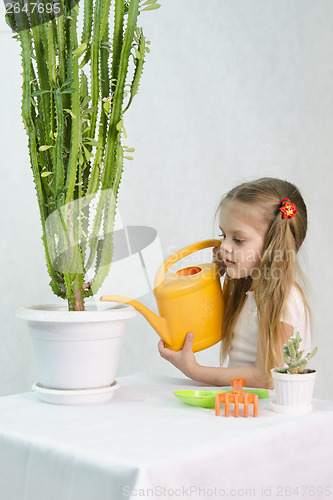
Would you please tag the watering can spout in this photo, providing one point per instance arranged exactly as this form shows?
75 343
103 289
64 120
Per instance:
188 300
159 324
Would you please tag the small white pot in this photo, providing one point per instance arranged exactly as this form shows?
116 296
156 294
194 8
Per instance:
76 349
293 390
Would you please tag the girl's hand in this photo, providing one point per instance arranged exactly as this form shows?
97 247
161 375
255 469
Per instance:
218 260
184 360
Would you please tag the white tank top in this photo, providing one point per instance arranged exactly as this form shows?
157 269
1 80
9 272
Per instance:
243 349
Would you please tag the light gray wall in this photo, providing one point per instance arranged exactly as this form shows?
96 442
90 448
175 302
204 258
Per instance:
231 91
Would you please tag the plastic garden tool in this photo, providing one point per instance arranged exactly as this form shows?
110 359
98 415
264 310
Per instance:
237 396
188 300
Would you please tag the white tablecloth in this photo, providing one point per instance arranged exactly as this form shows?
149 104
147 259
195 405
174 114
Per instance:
147 444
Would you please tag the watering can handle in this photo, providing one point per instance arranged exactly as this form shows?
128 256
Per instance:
183 252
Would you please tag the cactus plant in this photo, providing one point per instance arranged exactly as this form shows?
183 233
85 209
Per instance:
293 356
73 117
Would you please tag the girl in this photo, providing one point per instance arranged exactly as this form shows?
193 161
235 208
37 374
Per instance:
263 224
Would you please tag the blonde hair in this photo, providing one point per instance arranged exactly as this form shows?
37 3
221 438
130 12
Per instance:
278 268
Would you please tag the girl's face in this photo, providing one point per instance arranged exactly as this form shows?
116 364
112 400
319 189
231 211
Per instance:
242 239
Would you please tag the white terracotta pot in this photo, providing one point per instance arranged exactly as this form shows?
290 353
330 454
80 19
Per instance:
294 390
76 350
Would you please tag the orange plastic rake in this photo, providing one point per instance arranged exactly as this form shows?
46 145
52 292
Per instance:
237 396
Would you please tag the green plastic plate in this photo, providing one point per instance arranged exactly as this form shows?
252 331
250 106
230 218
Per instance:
206 399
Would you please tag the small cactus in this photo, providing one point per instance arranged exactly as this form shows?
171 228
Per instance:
293 357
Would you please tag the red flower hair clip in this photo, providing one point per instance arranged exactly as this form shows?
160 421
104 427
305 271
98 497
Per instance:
288 208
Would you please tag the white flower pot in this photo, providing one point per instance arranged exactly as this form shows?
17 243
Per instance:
76 350
293 392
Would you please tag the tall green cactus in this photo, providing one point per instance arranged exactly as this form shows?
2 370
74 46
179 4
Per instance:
293 357
73 117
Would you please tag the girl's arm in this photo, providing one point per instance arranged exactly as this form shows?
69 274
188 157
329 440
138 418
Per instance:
185 361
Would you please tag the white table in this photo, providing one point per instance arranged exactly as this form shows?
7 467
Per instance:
147 444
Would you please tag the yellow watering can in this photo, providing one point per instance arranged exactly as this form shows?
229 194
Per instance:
188 300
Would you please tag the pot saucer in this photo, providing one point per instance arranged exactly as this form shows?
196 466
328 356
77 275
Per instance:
74 397
290 409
